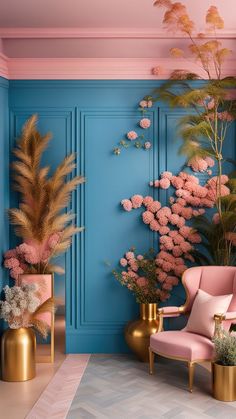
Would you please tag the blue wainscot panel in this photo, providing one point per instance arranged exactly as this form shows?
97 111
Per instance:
90 117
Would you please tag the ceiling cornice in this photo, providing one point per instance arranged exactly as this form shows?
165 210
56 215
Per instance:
102 33
92 69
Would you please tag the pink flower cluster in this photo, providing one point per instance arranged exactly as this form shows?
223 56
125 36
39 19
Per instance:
145 123
145 104
18 260
168 269
132 135
200 164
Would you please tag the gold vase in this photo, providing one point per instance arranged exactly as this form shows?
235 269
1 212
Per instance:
18 354
138 332
224 382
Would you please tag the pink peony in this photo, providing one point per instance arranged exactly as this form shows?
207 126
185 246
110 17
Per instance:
145 123
137 201
166 175
147 145
154 225
11 263
147 216
154 206
123 262
132 135
147 200
164 183
127 204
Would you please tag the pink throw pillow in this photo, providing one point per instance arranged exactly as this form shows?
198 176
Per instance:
201 319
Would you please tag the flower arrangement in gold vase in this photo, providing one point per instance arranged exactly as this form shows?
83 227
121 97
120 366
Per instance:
40 220
22 309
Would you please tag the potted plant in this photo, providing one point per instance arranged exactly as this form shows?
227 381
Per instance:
21 309
224 367
139 275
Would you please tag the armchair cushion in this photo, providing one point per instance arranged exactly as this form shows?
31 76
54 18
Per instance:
205 306
181 344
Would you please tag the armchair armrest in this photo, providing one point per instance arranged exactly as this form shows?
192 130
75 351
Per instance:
165 312
171 311
219 318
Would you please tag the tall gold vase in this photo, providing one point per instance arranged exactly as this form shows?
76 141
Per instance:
18 354
138 332
224 382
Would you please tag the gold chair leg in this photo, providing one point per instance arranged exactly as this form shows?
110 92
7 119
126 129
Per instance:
191 368
151 361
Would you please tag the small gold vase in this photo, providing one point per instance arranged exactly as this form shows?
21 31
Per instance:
18 354
224 382
138 332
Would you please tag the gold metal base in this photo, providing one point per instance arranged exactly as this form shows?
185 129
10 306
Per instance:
18 354
224 382
138 332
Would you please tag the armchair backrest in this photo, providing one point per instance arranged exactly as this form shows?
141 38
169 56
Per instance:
215 280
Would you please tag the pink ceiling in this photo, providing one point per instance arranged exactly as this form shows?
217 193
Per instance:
100 13
106 16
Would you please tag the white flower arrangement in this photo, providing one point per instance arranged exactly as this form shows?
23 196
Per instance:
20 303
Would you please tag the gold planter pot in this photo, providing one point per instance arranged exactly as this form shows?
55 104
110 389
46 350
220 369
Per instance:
224 382
18 354
138 332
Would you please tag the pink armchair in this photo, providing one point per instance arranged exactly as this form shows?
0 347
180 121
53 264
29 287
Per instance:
187 346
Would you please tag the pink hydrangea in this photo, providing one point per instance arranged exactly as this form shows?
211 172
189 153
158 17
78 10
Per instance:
164 183
174 218
129 255
123 262
181 193
176 208
11 263
145 123
187 213
181 201
173 280
163 230
194 238
198 164
210 161
213 194
10 253
223 179
167 241
163 221
166 175
154 206
205 202
154 225
181 222
185 247
164 212
185 231
53 240
127 204
132 135
177 251
147 200
137 201
147 145
147 216
178 239
32 257
162 276
177 182
180 269
167 266
15 272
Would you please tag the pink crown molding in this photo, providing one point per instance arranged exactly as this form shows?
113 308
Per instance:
91 68
107 33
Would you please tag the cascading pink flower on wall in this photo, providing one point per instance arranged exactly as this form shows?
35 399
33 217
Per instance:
147 200
132 135
148 216
164 183
127 204
11 263
145 123
154 225
137 201
197 164
154 206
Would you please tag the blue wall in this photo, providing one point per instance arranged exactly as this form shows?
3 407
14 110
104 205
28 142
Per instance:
4 174
90 117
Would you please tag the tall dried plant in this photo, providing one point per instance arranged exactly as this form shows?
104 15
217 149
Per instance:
210 105
43 198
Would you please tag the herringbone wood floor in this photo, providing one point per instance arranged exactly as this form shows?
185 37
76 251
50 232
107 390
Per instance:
120 387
